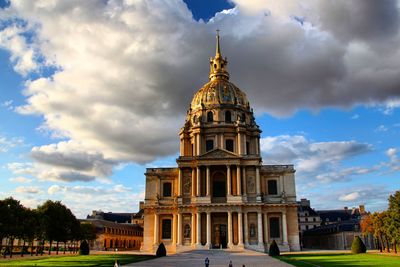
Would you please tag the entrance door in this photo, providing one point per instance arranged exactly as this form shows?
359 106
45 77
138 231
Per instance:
220 236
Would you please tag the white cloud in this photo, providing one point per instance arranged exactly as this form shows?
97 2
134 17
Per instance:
20 179
355 117
307 155
27 189
8 143
125 72
381 128
350 196
394 160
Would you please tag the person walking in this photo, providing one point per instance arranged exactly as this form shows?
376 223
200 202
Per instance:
230 264
206 262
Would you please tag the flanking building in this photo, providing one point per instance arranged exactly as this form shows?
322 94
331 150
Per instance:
220 195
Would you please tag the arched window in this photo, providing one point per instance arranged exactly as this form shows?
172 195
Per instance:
210 116
243 118
228 116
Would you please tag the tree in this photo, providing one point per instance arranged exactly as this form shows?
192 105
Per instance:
358 246
273 249
393 221
57 222
366 225
379 228
12 215
161 251
87 231
84 248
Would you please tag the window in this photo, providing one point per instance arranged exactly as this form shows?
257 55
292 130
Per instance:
228 116
313 219
306 227
229 145
167 189
306 219
247 148
166 229
243 118
210 116
272 187
209 145
274 227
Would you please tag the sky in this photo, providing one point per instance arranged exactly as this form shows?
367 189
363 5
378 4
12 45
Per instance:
94 92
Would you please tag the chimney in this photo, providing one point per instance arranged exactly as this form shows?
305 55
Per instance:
346 209
141 205
362 209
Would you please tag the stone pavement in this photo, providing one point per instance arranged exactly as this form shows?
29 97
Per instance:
218 258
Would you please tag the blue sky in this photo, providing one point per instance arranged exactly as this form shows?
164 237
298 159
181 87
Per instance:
86 106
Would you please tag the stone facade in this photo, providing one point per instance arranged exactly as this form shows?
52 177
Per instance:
220 195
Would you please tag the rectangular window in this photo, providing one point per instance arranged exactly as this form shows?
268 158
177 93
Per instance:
167 189
274 227
247 148
209 145
272 187
229 145
166 229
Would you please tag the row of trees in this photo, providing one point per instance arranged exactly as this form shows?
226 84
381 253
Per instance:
52 222
385 225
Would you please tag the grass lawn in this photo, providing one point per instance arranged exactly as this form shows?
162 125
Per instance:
90 260
345 260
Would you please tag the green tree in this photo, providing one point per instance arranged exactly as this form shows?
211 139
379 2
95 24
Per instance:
358 246
12 215
393 221
87 231
57 222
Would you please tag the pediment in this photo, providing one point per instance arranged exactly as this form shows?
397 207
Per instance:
219 154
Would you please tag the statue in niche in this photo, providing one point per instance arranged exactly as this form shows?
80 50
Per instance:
211 95
252 230
251 185
186 232
186 185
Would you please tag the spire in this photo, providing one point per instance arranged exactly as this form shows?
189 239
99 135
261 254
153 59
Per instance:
218 64
218 47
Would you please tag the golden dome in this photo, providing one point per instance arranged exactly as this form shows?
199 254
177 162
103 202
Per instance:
219 92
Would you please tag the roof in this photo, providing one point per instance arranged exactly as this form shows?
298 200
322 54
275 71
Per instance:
338 215
111 216
310 211
138 215
103 223
348 226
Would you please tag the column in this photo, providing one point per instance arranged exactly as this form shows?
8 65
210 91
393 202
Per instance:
230 236
179 232
238 181
260 229
221 141
198 144
208 181
156 229
208 229
240 229
174 223
258 184
198 228
266 237
180 182
228 179
193 182
198 177
284 228
244 181
240 152
193 230
246 229
257 139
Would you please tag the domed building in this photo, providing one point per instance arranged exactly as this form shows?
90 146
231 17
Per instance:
220 195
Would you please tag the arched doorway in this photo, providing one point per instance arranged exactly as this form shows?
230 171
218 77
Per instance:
219 186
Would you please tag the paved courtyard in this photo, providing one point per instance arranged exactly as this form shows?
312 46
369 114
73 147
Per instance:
218 258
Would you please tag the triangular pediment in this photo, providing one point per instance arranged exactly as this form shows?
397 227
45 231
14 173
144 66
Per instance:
219 154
